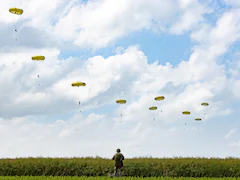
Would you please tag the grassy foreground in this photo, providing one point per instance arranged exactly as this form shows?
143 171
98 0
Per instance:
103 178
136 167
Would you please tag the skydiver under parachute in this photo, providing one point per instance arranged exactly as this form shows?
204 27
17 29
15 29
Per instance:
159 98
186 113
77 84
121 101
205 104
153 108
38 58
16 11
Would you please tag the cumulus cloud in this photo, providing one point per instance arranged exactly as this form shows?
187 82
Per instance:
43 112
96 24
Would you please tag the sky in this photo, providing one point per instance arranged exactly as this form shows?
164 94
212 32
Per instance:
185 50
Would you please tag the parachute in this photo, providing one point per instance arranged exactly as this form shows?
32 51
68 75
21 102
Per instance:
38 58
159 98
186 112
198 119
205 104
121 101
77 84
153 108
16 11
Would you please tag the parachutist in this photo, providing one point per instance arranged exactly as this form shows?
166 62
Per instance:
15 30
78 84
159 98
37 75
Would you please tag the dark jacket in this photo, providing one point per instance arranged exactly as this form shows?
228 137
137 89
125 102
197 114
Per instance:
118 157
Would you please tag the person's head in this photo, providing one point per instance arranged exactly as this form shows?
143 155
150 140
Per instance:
118 150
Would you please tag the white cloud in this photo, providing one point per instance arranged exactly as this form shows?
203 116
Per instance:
230 133
46 118
96 24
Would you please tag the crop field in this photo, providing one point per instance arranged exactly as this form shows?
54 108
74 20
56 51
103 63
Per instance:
101 178
73 168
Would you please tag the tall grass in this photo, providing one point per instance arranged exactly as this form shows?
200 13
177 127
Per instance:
101 178
141 167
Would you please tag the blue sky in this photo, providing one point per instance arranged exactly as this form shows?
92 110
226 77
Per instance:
114 52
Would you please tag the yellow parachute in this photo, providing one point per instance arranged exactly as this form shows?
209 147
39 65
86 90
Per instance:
186 112
198 119
159 98
153 108
121 101
78 84
204 104
16 11
38 58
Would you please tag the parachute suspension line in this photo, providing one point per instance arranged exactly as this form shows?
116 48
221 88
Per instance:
159 98
77 84
186 113
38 58
205 114
15 11
153 108
198 119
121 101
206 110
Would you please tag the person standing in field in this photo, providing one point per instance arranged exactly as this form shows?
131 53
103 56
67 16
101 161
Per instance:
118 157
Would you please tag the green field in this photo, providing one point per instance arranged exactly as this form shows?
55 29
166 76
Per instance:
101 178
136 167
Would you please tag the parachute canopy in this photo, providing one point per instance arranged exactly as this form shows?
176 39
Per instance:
204 104
38 58
186 112
153 108
78 84
121 101
198 119
16 11
159 98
